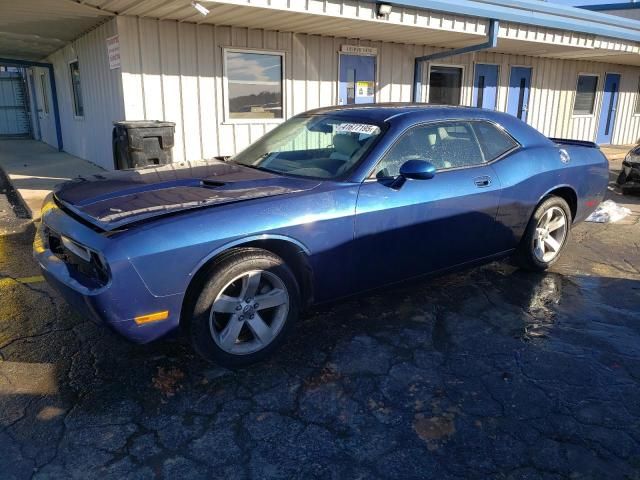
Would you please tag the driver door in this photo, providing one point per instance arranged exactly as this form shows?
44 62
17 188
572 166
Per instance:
426 225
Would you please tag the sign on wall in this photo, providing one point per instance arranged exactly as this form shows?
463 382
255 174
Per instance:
364 89
358 50
113 51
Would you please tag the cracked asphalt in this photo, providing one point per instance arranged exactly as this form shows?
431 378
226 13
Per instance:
490 373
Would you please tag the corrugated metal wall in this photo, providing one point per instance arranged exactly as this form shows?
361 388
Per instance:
88 137
173 71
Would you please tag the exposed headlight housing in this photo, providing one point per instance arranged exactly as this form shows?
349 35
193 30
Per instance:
75 248
86 265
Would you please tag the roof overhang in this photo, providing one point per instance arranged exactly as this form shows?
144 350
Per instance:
33 29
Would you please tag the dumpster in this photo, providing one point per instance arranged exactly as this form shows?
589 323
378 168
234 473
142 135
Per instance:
142 143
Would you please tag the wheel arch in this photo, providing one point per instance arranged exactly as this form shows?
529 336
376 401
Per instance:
294 253
567 193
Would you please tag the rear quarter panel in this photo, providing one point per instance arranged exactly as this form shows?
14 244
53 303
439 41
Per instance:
529 174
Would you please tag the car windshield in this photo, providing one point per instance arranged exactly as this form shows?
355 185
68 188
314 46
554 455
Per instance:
317 146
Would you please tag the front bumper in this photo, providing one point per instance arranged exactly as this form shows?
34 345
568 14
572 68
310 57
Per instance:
117 303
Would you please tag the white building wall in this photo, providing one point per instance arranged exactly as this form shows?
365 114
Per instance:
173 71
88 137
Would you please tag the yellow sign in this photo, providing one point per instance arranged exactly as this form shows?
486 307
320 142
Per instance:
364 89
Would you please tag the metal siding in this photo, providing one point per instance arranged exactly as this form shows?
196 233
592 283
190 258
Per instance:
89 137
175 73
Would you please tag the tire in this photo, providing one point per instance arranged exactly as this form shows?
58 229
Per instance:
225 321
540 247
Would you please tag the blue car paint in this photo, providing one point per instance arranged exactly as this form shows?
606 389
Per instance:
355 233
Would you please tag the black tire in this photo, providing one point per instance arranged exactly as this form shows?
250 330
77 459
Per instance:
199 322
525 253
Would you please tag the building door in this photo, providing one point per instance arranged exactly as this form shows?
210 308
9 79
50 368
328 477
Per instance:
485 86
14 113
519 86
357 80
609 106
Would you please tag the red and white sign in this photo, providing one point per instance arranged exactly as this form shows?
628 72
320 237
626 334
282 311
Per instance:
113 51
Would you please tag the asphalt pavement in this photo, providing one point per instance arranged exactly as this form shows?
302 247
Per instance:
489 373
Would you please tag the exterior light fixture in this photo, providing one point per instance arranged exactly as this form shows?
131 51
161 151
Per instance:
203 10
383 10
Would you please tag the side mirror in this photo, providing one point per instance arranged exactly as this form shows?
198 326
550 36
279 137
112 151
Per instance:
417 170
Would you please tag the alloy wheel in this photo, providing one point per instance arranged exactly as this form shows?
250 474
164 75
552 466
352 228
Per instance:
550 234
249 312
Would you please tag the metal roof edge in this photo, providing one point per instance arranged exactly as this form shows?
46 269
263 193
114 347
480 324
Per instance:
611 6
534 12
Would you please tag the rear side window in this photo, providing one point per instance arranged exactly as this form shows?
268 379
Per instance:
493 140
446 145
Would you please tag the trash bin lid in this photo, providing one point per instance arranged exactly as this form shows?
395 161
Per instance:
143 124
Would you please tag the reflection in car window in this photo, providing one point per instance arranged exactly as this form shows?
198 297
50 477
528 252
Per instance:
493 141
318 146
446 145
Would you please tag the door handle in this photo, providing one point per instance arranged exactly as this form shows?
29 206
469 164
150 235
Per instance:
483 181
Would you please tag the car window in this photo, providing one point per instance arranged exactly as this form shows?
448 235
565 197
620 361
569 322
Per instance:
446 145
493 141
316 146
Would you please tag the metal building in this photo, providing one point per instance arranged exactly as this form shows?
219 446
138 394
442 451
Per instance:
228 76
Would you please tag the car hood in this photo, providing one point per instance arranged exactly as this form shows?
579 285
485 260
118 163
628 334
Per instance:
116 199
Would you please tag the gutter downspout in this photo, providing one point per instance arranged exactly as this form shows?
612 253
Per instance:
492 42
52 82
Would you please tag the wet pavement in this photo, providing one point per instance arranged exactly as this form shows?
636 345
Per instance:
491 373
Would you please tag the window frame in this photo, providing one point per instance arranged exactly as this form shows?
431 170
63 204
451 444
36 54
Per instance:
501 129
371 177
73 95
44 93
462 81
595 96
227 120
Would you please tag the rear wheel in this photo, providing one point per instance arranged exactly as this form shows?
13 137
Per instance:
246 305
546 235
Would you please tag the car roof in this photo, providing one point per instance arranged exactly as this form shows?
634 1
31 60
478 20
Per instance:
383 112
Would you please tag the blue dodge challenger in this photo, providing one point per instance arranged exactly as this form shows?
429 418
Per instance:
330 203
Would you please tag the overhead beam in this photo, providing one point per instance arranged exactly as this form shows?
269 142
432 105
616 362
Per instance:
492 42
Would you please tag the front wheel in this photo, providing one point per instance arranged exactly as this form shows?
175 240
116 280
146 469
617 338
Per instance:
246 305
546 235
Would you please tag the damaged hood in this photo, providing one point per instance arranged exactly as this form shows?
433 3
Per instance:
116 199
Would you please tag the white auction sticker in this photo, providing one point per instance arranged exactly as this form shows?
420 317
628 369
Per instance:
357 128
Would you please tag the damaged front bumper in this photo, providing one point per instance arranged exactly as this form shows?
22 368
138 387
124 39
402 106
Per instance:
118 302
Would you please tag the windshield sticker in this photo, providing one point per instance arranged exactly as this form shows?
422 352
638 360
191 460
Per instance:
357 128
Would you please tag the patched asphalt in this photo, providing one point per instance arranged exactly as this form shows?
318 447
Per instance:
490 373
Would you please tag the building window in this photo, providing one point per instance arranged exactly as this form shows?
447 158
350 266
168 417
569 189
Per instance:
78 105
45 94
585 94
637 109
445 84
254 84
